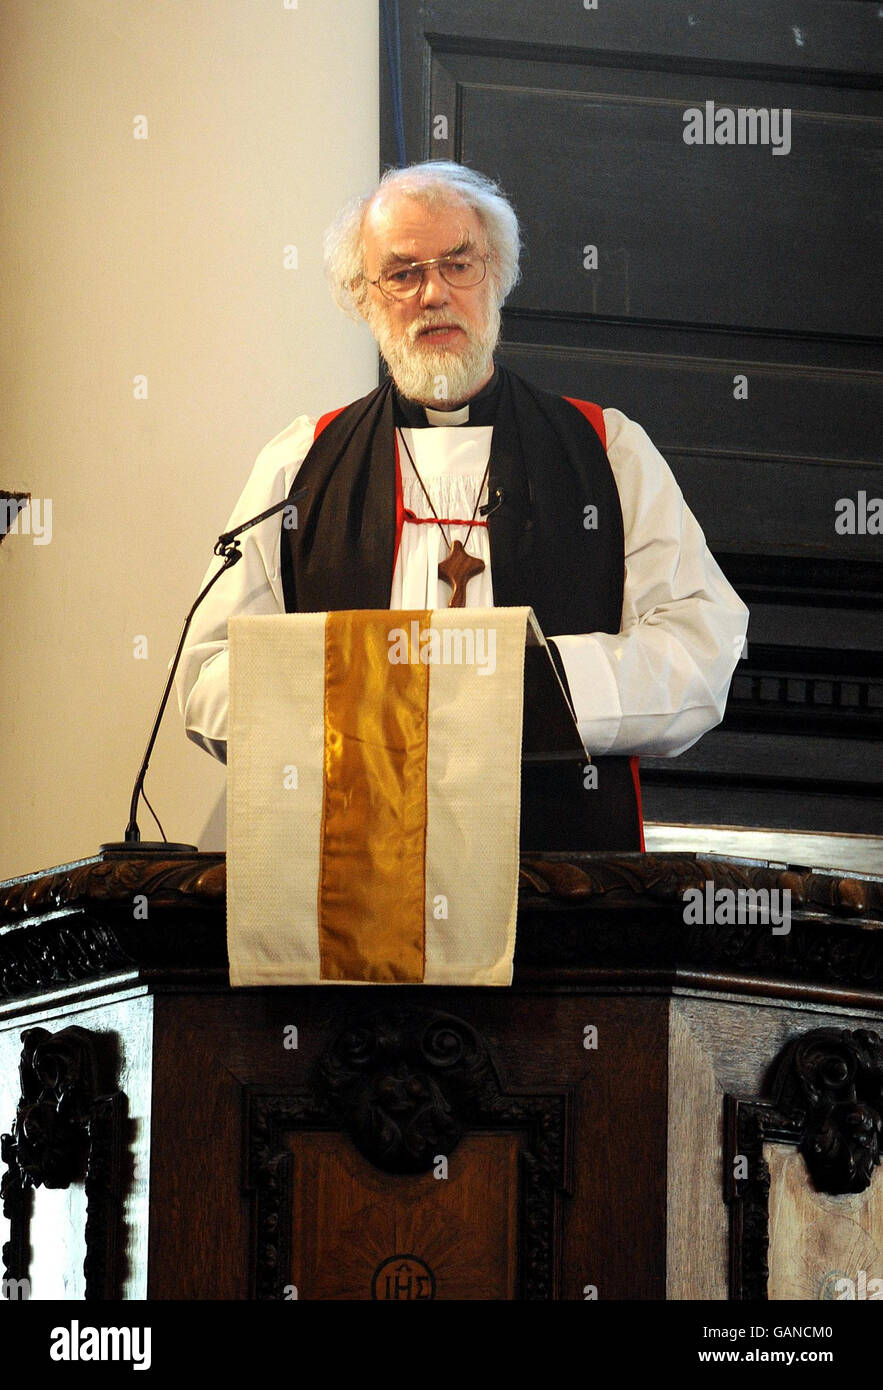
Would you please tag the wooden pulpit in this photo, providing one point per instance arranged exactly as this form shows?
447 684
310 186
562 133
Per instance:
656 1108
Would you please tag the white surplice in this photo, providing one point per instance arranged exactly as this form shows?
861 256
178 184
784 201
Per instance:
653 688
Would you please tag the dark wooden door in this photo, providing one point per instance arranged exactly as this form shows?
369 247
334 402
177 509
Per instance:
732 312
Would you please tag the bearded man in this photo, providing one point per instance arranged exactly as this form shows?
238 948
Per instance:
456 481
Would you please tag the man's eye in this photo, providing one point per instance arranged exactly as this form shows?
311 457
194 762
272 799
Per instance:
403 277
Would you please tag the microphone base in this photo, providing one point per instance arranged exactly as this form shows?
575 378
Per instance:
168 847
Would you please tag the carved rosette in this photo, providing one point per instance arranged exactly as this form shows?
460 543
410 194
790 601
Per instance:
403 1082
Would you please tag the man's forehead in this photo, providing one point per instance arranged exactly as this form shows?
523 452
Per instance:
397 223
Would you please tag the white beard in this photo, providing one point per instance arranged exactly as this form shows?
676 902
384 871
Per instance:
436 376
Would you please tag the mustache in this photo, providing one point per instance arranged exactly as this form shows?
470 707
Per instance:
421 326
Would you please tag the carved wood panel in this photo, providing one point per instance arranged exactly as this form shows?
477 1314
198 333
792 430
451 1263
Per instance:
68 1128
410 1087
451 1233
827 1101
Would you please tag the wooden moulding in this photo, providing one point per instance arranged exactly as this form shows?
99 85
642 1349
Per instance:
593 918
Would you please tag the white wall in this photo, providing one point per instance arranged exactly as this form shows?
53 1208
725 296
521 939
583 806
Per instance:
163 257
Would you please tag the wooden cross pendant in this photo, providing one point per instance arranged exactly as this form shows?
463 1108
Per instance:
457 570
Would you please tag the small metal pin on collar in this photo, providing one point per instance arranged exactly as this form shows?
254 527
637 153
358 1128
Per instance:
494 506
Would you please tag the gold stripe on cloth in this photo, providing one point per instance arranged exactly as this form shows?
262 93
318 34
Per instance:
372 874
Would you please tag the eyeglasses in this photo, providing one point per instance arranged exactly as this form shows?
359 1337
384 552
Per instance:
461 272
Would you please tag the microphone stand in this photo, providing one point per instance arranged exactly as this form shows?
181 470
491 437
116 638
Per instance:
227 547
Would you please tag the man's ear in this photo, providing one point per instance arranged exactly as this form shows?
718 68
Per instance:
359 297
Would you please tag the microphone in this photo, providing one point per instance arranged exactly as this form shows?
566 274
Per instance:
227 547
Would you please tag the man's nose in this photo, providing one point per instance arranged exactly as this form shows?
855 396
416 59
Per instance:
434 290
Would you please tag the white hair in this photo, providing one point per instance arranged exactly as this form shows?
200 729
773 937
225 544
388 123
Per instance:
437 181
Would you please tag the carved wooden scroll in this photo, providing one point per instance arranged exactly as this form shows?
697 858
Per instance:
827 1100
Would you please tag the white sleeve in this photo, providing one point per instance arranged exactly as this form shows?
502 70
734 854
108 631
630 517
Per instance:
253 586
662 681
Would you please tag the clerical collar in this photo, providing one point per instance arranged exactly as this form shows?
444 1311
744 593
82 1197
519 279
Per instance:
448 417
480 409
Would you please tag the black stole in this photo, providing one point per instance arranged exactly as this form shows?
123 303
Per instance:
547 466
